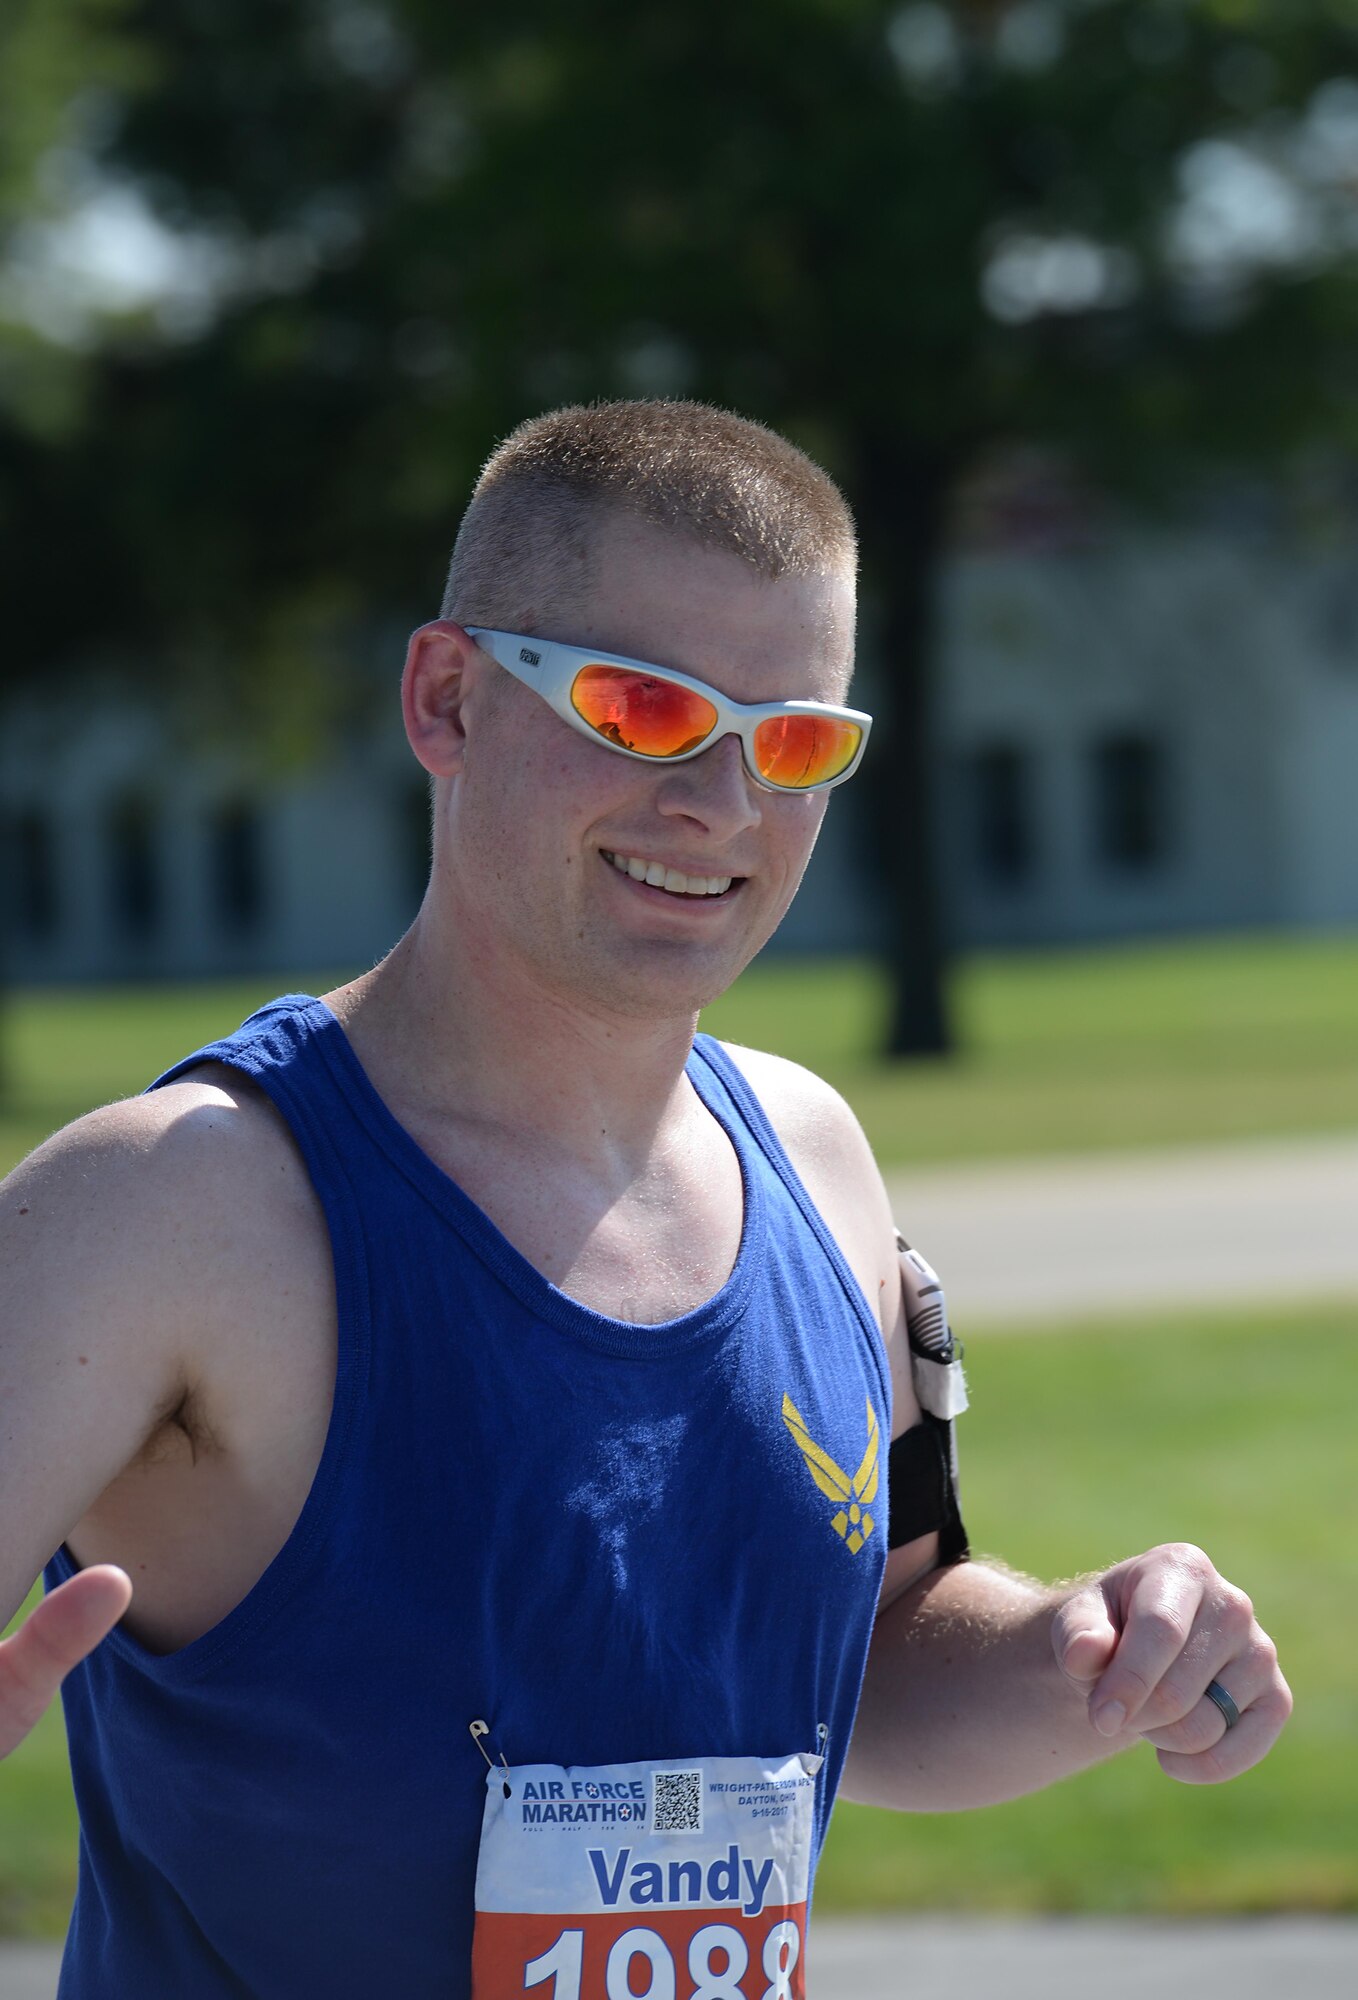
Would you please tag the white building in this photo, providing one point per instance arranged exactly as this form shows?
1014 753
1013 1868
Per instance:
1160 734
1151 734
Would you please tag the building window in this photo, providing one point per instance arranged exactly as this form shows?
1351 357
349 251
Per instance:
1129 801
999 791
31 865
135 890
236 867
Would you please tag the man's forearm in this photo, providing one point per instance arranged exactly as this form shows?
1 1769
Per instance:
963 1701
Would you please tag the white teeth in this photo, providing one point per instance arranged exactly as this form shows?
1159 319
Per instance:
658 876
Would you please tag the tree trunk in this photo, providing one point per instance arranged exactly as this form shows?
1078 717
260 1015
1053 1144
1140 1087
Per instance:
7 894
901 499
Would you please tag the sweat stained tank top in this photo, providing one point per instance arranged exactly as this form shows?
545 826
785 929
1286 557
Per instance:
611 1542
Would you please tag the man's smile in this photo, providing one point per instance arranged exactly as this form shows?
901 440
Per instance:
656 875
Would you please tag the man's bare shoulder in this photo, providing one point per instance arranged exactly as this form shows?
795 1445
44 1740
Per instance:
817 1127
139 1200
204 1138
825 1143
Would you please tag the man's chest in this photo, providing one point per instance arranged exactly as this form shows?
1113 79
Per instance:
644 1247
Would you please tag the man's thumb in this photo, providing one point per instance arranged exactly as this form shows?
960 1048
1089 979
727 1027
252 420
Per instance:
56 1635
1084 1637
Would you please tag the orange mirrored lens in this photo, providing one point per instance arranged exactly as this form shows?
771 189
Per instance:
800 750
642 712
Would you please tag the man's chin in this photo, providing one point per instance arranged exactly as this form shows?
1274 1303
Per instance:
673 981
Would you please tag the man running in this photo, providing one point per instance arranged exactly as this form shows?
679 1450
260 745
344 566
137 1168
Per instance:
484 1392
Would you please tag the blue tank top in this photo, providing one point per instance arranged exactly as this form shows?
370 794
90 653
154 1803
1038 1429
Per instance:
607 1540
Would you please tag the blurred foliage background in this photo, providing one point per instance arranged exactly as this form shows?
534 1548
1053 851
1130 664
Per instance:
385 230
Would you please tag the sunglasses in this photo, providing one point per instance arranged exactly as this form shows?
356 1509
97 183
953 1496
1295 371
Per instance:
652 712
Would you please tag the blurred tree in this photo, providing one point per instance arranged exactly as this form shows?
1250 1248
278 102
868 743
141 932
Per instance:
905 234
54 54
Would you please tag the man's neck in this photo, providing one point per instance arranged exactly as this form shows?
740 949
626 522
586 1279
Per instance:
463 1036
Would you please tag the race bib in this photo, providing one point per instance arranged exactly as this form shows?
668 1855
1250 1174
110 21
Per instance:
677 1881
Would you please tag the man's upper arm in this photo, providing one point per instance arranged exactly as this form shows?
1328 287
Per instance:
98 1230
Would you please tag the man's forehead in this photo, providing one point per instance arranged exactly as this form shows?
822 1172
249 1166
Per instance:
669 598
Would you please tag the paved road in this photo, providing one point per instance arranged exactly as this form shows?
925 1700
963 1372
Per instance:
28 1972
1038 1241
1074 1958
983 1959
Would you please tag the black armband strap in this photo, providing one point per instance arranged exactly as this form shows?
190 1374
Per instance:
922 1462
922 1489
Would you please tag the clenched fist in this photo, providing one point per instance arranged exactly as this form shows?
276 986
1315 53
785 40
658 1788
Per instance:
1147 1640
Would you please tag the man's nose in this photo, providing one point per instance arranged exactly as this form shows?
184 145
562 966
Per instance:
713 788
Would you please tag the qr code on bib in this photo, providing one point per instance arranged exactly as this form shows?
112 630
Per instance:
676 1801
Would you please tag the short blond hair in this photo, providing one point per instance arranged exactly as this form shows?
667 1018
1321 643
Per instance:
525 553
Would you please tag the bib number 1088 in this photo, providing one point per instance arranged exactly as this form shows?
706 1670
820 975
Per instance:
718 1958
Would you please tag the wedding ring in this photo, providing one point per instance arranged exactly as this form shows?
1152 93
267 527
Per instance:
1217 1694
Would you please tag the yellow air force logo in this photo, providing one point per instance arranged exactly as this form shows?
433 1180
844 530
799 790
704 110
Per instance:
851 1496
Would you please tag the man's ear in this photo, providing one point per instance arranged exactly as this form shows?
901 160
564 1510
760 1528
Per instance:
439 659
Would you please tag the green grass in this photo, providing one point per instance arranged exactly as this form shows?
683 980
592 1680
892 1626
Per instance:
68 1050
1083 1447
1128 1045
1132 1045
37 1833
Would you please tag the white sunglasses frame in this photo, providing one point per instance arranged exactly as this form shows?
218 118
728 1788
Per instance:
549 667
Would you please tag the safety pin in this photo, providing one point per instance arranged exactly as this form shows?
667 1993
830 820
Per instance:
478 1730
